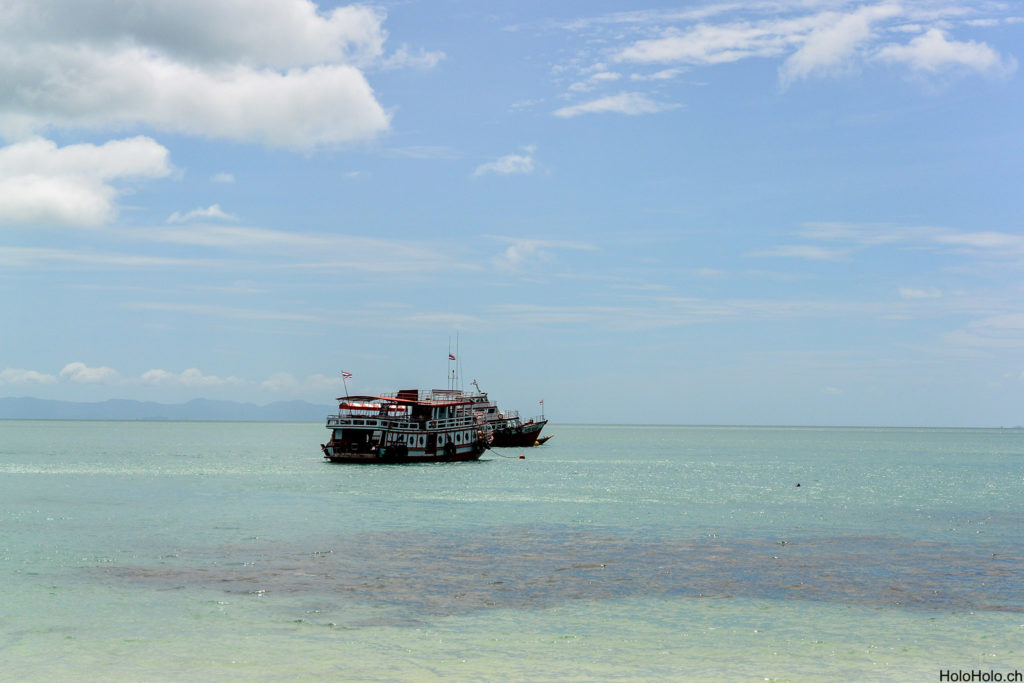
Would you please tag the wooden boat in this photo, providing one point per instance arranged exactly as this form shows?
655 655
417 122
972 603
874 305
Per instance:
505 427
514 432
409 427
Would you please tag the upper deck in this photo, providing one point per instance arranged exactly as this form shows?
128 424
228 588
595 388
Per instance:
409 409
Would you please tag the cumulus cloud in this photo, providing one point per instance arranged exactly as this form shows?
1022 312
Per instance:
934 51
18 376
509 164
630 103
80 373
212 212
276 72
41 183
193 377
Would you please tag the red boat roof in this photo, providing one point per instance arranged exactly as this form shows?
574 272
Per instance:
403 401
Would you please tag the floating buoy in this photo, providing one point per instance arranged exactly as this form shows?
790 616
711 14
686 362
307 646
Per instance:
522 457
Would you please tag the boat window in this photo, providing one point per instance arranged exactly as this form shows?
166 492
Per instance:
357 422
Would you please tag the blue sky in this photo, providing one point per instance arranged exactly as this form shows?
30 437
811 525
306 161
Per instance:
805 212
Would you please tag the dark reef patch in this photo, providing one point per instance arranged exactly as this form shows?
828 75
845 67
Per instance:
438 572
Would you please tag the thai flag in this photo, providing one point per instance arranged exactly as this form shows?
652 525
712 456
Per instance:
346 375
451 356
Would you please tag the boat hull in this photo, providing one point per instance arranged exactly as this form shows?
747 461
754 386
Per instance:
408 460
397 457
518 436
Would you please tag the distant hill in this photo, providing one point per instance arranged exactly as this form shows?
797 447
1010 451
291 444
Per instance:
196 409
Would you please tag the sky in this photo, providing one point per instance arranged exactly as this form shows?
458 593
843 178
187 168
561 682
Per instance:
786 212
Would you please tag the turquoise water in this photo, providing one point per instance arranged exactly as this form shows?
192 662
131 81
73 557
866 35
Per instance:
230 551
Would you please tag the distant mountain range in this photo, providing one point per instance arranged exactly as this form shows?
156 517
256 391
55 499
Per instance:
196 409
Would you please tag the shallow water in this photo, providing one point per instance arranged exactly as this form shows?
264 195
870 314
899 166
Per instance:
222 551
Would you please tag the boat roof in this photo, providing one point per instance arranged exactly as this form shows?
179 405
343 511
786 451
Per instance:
428 401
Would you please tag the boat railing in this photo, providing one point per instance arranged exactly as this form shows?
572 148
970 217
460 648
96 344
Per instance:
336 421
457 421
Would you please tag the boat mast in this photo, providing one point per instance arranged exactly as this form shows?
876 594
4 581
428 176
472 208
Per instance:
454 372
451 371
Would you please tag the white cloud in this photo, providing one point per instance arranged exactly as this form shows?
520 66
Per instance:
276 72
804 251
523 251
997 331
255 247
509 164
285 383
990 243
662 75
80 373
1010 321
825 39
829 48
594 80
193 377
630 103
710 273
17 376
934 52
33 257
709 44
275 33
404 57
223 311
281 382
316 250
917 293
212 212
41 183
984 240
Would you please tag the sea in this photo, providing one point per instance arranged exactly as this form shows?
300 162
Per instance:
216 551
